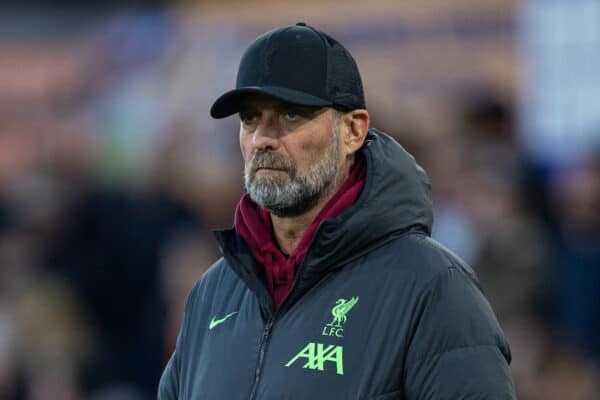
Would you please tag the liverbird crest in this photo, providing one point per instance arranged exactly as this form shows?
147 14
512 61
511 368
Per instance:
339 311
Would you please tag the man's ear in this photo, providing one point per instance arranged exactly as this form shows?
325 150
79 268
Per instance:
357 124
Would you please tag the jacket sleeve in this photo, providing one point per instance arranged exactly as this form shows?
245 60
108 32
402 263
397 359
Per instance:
457 349
168 388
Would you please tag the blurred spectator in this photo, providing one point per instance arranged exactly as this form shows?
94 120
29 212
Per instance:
574 249
110 254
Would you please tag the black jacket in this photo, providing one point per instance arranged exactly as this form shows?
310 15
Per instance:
378 310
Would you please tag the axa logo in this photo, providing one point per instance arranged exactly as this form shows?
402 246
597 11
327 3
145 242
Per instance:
339 311
316 355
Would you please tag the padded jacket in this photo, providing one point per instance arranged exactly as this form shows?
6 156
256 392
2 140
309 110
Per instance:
378 310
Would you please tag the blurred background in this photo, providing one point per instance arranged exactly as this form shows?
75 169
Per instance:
112 173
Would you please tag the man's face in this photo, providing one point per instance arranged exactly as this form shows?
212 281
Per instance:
291 153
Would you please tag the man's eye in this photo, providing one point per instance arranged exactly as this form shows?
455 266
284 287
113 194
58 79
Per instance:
292 115
248 118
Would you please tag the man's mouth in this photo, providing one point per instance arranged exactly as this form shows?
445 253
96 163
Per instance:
269 169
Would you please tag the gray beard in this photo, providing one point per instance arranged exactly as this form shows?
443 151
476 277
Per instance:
290 194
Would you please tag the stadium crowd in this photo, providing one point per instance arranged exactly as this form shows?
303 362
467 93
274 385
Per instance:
111 179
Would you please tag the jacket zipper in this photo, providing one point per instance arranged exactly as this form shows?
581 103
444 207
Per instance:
261 355
267 333
265 339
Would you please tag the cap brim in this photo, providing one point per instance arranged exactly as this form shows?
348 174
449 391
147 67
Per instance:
229 103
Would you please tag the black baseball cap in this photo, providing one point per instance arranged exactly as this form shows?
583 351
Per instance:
297 64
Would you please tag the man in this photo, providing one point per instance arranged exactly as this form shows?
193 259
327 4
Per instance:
329 286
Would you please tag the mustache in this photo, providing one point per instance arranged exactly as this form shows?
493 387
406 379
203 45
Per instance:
270 160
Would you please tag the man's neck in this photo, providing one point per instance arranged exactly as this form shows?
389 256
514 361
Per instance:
290 230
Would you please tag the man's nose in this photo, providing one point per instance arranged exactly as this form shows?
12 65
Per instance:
266 135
